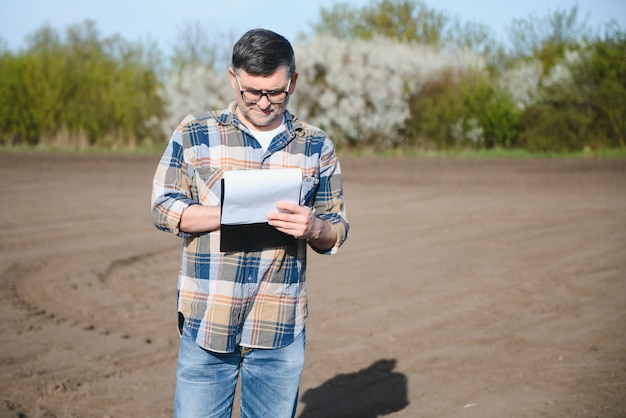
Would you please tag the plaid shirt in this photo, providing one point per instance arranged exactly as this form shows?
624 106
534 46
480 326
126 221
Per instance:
254 299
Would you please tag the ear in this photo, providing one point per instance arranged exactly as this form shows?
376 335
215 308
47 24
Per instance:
294 80
233 82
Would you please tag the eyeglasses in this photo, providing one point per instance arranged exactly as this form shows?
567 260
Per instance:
273 96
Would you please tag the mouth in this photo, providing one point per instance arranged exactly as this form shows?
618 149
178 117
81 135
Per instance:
263 112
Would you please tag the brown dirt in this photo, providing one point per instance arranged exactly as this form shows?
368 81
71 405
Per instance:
468 288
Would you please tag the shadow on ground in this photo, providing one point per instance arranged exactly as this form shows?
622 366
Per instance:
369 393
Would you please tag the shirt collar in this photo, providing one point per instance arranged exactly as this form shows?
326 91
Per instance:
229 117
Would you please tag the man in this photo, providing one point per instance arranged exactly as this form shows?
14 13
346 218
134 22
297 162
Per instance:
242 314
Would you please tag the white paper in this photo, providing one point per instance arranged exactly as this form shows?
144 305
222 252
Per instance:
250 194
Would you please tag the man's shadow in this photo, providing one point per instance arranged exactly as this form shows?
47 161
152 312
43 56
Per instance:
369 393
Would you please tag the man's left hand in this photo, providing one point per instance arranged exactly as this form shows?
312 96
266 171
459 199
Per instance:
299 221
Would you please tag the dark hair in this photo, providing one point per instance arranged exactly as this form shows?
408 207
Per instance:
261 52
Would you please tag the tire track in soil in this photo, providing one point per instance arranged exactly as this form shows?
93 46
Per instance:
64 345
57 384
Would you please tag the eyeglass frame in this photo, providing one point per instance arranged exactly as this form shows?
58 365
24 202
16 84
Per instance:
261 94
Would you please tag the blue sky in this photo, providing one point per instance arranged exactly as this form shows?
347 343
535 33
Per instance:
161 20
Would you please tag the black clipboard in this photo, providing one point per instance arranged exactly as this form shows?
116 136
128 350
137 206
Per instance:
253 236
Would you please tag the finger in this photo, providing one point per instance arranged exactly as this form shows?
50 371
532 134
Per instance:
288 206
279 216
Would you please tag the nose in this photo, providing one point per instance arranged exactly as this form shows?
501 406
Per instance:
264 102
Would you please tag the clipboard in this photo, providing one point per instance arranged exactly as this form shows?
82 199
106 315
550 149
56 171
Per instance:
247 197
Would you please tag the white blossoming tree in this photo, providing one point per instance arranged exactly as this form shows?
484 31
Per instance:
193 89
359 90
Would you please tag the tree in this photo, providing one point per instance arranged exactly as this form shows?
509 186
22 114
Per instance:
585 105
79 90
477 37
409 21
547 38
403 20
194 48
601 78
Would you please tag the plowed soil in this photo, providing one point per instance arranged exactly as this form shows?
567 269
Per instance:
468 288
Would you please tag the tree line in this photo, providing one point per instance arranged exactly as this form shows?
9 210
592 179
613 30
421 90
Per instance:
392 74
79 90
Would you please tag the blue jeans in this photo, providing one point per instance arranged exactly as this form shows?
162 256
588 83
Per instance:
206 381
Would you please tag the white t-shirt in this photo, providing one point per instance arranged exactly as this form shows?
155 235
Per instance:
265 137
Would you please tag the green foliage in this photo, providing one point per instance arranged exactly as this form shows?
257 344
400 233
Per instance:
79 91
460 111
404 20
547 38
603 80
586 109
553 127
409 21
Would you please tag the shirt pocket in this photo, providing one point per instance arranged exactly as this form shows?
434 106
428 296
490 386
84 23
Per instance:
208 185
308 190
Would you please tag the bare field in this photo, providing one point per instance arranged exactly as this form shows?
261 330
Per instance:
468 288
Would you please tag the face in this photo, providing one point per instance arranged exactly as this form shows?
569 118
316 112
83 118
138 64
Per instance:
262 115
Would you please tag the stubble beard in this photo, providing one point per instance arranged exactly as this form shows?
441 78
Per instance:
263 120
